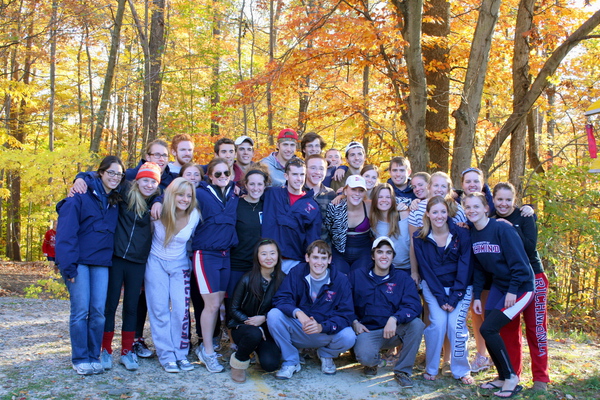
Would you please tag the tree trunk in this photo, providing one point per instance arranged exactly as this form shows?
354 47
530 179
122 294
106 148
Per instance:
272 38
215 87
241 33
156 48
366 111
110 71
537 87
533 133
52 75
414 114
467 114
437 116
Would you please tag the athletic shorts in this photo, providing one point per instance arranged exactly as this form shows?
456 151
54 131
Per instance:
212 270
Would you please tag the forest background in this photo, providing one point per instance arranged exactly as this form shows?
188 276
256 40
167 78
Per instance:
499 84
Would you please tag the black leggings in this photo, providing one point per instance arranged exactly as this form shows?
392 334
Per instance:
249 338
490 330
130 276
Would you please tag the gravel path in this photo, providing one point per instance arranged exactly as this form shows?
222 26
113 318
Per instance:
35 364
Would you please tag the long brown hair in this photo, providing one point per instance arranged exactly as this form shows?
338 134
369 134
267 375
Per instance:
393 216
426 221
168 216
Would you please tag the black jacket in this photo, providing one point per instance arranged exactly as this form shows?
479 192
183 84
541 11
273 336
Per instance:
245 304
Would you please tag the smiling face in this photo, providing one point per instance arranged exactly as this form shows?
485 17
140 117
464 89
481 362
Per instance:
245 153
333 157
295 178
383 257
192 174
372 178
255 187
227 152
159 154
286 149
313 147
356 158
147 186
111 182
219 176
318 263
475 211
267 256
355 195
384 200
438 215
419 187
438 186
504 201
399 174
315 172
184 152
472 182
183 200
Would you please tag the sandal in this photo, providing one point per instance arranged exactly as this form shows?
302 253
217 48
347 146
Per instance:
491 385
467 380
429 377
513 392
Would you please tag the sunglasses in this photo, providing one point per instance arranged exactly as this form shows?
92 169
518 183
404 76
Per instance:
219 173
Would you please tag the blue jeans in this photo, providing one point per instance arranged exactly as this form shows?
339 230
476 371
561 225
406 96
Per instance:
88 298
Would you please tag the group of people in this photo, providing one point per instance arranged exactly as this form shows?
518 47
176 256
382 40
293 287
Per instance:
305 253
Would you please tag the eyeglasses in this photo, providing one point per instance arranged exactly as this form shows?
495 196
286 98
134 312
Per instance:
112 174
219 173
159 155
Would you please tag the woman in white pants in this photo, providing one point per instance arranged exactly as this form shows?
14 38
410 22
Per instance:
443 252
168 275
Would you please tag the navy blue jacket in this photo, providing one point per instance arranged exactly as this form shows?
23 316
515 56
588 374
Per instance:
332 308
216 230
293 227
448 268
499 252
405 195
375 301
86 229
165 179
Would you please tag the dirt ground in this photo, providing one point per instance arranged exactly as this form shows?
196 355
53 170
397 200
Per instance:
35 364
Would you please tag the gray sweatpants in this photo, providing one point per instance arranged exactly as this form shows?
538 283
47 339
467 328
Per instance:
167 286
409 335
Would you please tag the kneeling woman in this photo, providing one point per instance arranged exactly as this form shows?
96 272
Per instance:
168 275
443 252
252 300
499 253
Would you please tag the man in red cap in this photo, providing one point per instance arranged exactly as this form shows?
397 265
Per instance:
287 142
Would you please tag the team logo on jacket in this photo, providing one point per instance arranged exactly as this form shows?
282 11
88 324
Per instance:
390 288
329 295
309 208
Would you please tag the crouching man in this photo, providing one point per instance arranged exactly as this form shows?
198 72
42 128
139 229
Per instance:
312 309
387 306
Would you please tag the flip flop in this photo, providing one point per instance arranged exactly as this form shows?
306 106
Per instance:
467 380
513 392
491 385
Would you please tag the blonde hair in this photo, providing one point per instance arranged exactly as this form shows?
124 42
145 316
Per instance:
392 217
168 216
426 221
450 202
136 201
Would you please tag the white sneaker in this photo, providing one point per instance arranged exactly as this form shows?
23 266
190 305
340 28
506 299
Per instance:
171 367
83 369
97 367
106 359
286 371
327 366
185 365
210 361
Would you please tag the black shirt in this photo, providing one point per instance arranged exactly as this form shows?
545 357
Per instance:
248 228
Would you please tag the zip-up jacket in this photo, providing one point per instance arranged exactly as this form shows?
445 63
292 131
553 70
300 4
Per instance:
499 252
450 267
332 308
245 304
85 232
216 230
527 230
376 300
276 170
293 227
